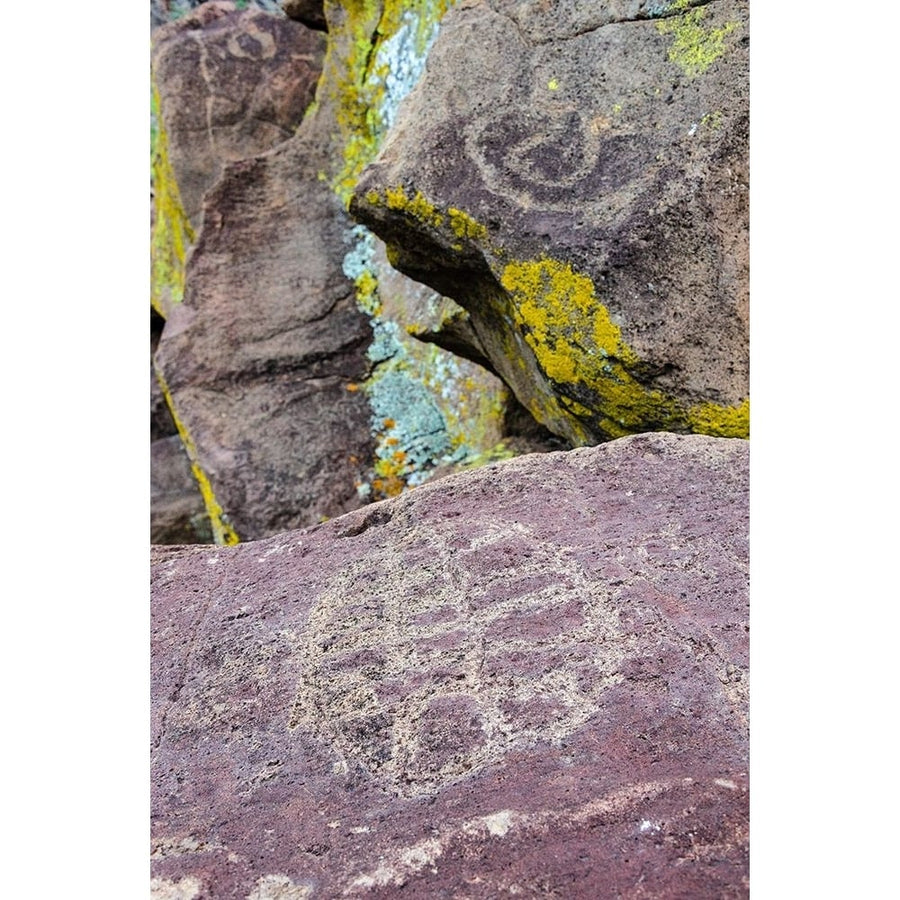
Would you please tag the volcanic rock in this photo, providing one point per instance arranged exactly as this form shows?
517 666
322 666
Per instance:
300 396
575 175
309 12
530 679
232 84
177 512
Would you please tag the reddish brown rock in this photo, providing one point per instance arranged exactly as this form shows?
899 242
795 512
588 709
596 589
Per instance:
232 84
530 679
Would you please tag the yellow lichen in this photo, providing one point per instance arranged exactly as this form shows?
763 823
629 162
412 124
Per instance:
420 208
696 46
464 226
172 234
355 78
223 533
417 206
721 421
578 346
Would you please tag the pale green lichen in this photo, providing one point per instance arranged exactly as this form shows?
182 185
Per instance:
696 46
424 413
172 233
369 68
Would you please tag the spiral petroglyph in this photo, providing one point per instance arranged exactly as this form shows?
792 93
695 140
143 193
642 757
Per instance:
434 675
554 155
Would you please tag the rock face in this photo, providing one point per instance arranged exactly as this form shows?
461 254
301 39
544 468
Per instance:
258 359
298 393
575 176
177 512
232 84
530 679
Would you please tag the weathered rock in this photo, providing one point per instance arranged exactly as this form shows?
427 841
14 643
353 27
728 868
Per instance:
232 84
300 396
309 12
530 679
258 358
163 11
575 176
177 512
161 423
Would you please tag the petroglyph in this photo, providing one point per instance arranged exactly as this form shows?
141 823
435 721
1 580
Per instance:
433 675
555 155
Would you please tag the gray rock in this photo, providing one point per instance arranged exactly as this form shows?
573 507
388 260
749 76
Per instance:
177 512
575 175
529 679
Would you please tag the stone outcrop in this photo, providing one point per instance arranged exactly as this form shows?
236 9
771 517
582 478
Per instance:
296 387
575 175
164 11
527 680
177 511
232 84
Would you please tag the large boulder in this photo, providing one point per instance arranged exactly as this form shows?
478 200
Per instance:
527 680
575 175
289 368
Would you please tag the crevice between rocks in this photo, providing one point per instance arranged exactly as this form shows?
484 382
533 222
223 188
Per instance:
645 17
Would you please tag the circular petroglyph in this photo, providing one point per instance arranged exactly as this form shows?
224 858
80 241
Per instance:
435 657
555 156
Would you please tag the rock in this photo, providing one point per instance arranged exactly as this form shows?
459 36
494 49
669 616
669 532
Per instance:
161 423
309 12
529 679
258 359
163 11
289 369
232 84
177 511
575 176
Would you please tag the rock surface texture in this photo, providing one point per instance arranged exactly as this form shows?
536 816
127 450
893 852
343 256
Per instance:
575 175
232 84
296 393
527 680
177 512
